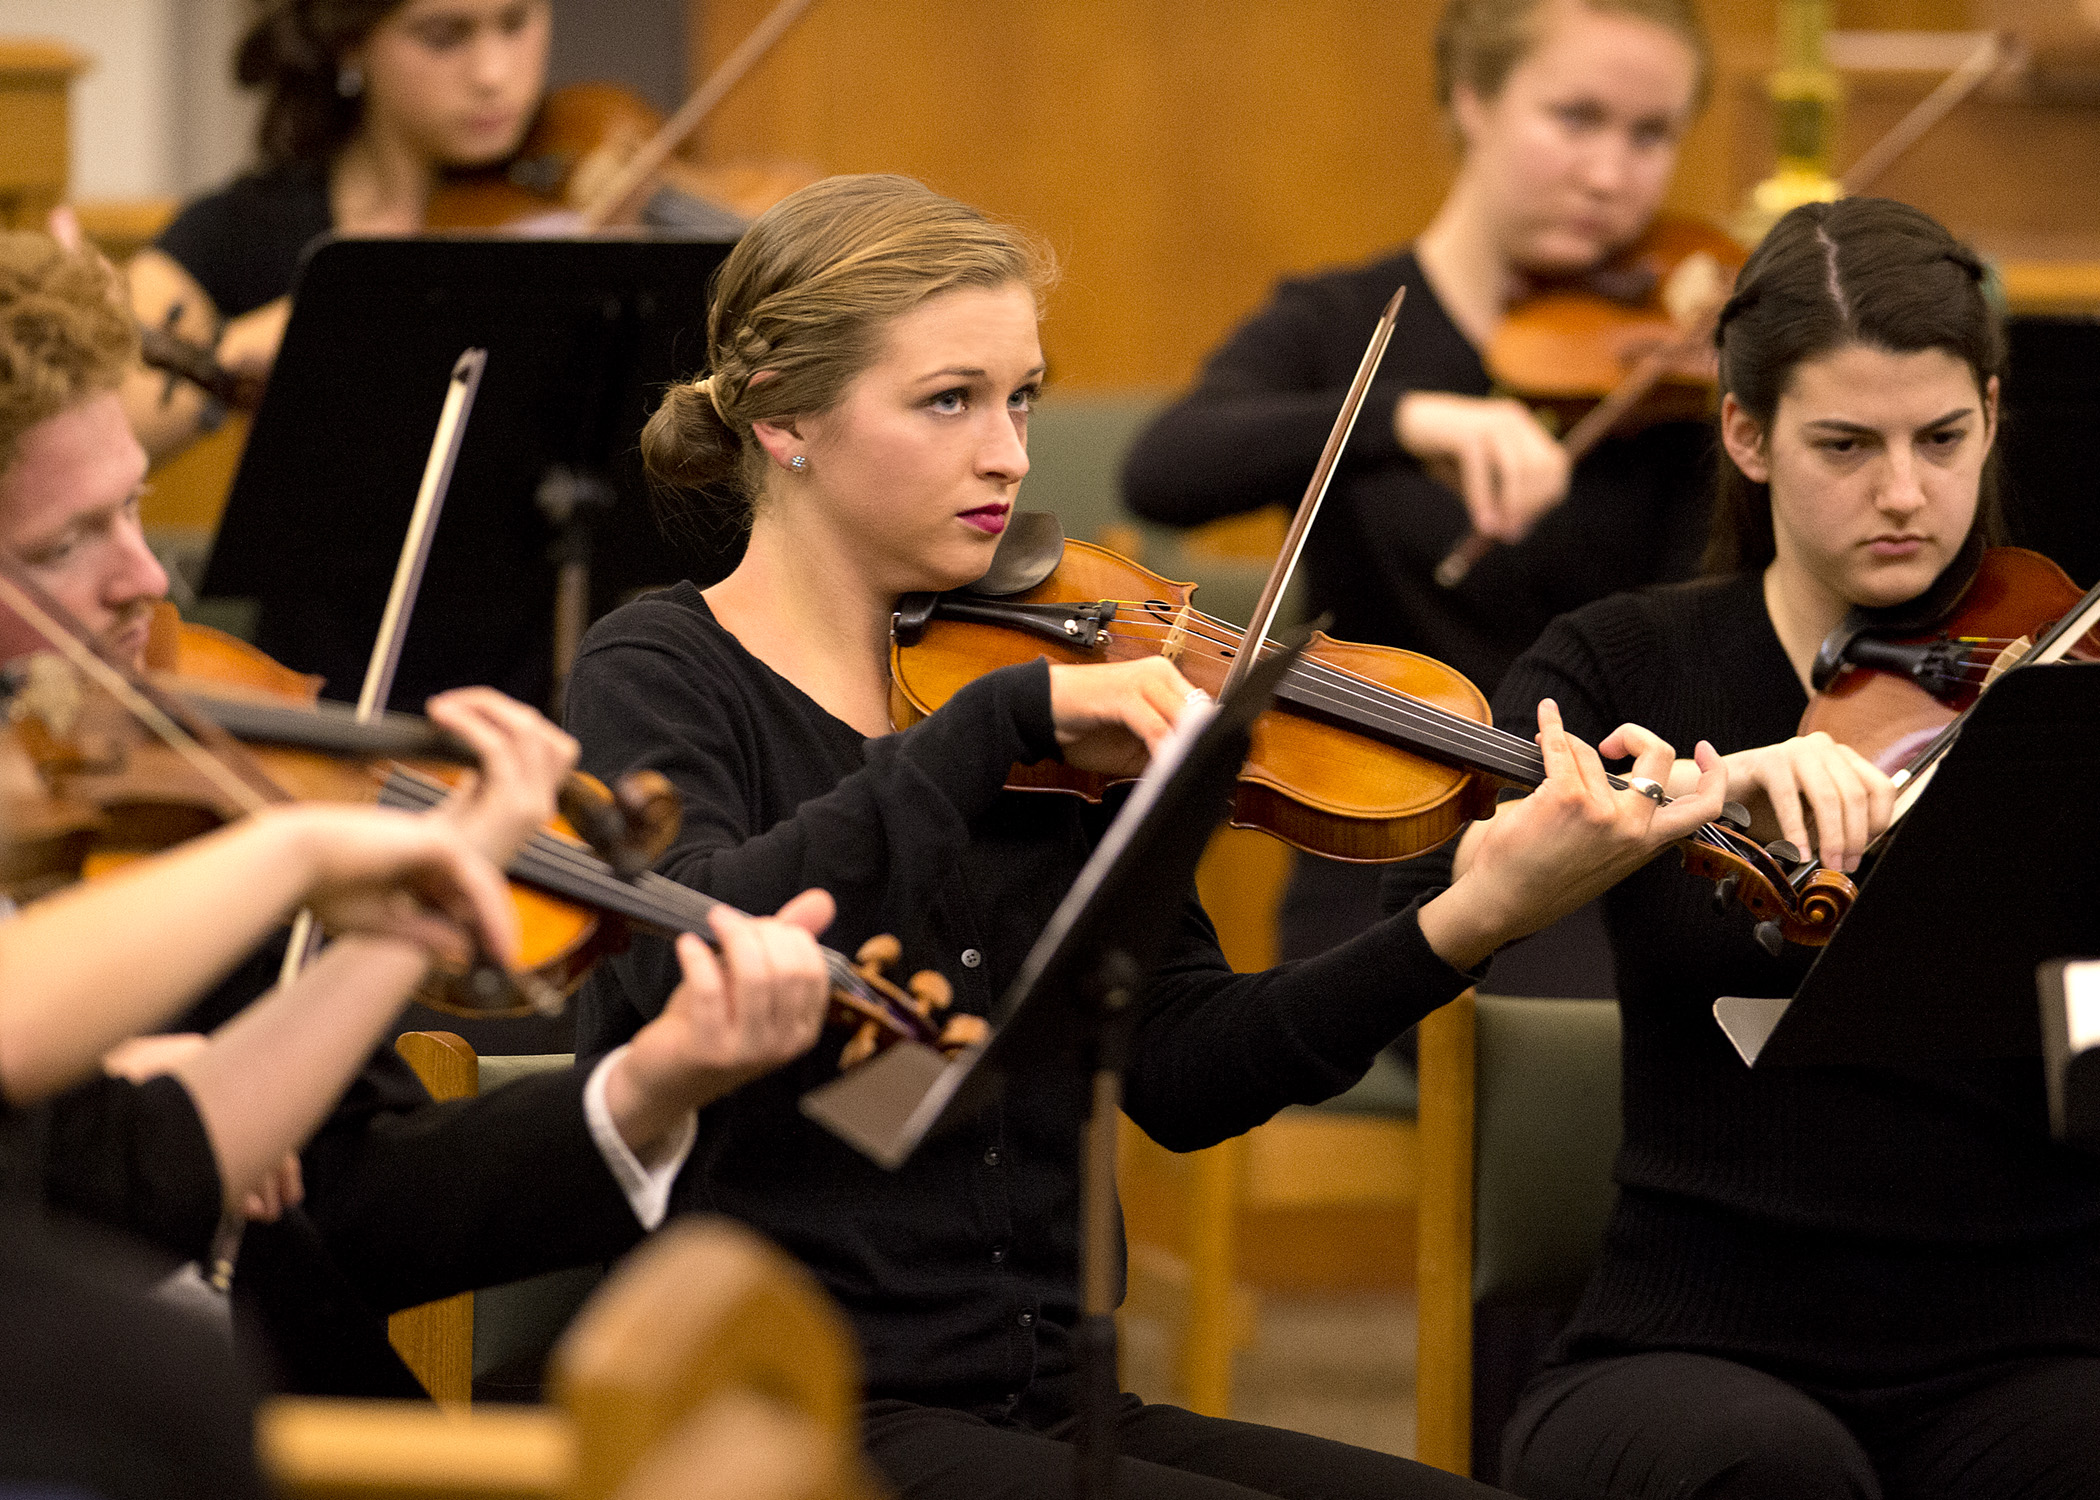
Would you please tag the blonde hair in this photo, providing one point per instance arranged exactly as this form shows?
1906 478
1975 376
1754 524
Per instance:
1480 42
799 310
65 333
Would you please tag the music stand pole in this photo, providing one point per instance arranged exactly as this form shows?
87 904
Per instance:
1071 1009
1094 1341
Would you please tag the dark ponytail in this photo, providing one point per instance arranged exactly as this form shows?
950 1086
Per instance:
1858 271
294 53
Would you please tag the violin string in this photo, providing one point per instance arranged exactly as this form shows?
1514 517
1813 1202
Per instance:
655 898
1480 743
1353 695
1422 724
1372 700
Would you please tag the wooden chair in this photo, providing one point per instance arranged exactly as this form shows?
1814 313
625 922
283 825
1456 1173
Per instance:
449 1343
1519 1129
709 1364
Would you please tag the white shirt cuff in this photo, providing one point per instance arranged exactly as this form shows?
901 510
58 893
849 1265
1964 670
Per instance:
648 1189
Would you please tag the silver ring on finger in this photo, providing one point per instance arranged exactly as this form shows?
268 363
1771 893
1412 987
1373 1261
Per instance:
1648 787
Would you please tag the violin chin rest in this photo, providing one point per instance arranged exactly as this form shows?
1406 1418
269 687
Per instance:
1029 551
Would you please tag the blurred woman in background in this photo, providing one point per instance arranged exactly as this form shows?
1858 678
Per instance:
1568 116
366 104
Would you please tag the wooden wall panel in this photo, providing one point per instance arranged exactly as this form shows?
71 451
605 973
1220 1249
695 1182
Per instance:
1179 155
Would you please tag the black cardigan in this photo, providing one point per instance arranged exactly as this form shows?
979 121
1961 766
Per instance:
957 1270
1864 1225
1250 433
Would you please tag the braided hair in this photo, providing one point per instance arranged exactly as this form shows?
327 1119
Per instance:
799 310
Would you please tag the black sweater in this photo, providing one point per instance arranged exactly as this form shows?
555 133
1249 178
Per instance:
128 1156
1251 431
957 1270
243 242
406 1200
1852 1224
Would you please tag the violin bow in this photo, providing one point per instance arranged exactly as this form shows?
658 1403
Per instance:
1271 600
460 390
613 198
1595 424
2054 644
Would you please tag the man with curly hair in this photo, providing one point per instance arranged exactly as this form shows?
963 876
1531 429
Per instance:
405 1200
71 473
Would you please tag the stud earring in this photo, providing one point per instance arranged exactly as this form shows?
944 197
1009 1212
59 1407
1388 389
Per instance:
798 463
349 80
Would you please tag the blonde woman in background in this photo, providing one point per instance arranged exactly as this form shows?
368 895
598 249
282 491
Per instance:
1568 115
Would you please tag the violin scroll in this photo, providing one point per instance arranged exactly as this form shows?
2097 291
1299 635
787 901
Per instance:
925 996
1795 900
628 825
170 353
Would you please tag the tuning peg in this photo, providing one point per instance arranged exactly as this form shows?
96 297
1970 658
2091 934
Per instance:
1785 853
881 951
931 991
1770 938
861 1048
1724 893
1736 816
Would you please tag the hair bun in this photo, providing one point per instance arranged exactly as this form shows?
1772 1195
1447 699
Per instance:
1971 262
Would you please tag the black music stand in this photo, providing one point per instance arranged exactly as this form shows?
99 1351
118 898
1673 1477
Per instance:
1070 1009
581 335
1991 873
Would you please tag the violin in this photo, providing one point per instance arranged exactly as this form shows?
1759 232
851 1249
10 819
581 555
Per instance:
1626 346
1890 693
597 153
1371 753
1570 346
107 792
177 356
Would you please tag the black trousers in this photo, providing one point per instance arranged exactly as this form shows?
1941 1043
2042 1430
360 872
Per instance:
1646 1426
1165 1453
104 1392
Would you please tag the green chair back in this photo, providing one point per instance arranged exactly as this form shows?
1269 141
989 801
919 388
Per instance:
516 1325
1546 1129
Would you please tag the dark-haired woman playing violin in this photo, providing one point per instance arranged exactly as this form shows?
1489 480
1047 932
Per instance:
1567 115
365 104
873 357
1817 1281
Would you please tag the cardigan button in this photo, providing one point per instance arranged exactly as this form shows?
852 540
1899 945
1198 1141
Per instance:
1027 1319
971 958
992 1158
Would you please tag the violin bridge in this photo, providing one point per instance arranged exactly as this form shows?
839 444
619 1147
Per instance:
1177 637
48 690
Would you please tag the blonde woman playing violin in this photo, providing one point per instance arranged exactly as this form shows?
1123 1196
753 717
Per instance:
873 359
1567 115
